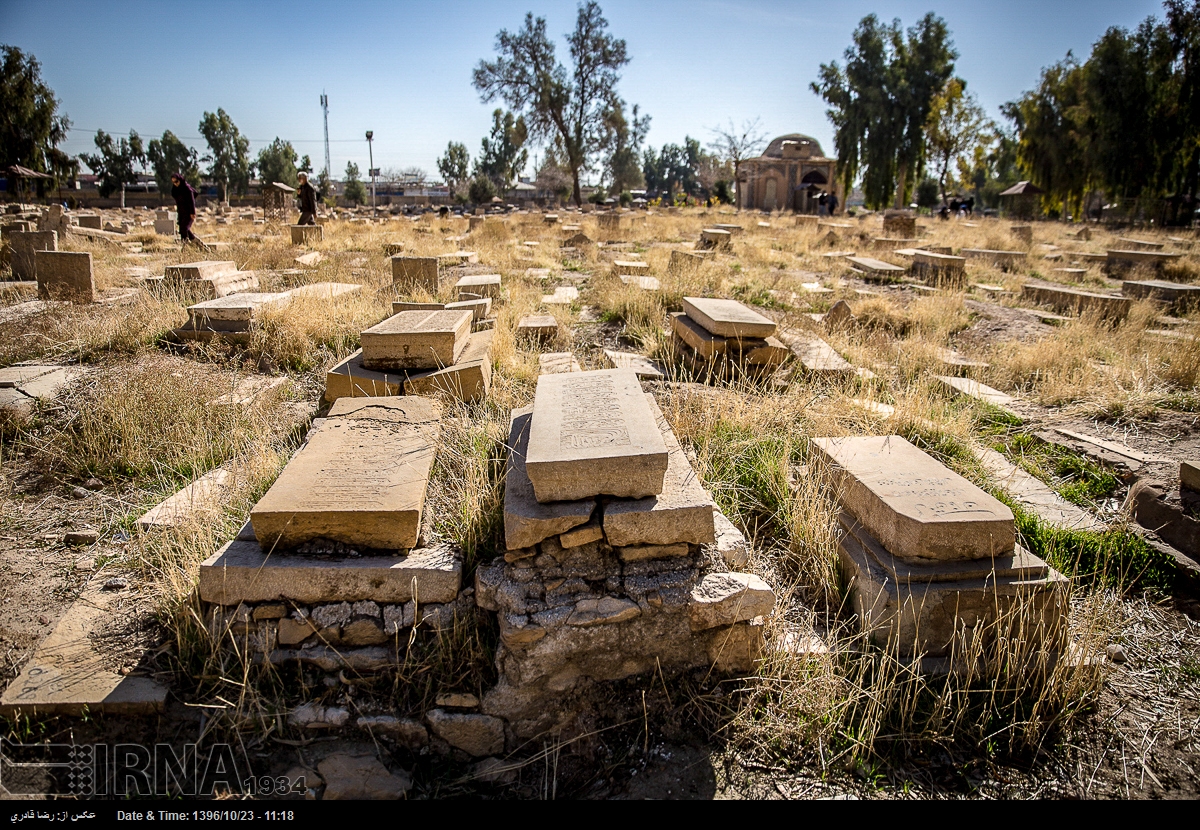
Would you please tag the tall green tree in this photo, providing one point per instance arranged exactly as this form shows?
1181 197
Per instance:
229 153
673 169
956 125
503 156
277 163
114 163
454 166
879 104
560 105
31 127
353 188
168 156
622 147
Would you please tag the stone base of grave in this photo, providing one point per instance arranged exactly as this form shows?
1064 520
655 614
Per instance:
934 610
467 380
306 234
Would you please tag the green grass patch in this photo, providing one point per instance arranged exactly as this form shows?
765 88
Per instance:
1076 478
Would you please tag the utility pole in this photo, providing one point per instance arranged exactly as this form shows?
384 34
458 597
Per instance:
371 169
325 108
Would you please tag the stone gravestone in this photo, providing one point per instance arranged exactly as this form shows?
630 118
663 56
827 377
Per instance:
360 480
593 433
417 340
306 234
931 560
410 272
65 275
24 244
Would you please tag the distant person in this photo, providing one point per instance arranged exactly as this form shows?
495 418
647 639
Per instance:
969 206
944 213
822 204
833 203
185 207
954 206
308 200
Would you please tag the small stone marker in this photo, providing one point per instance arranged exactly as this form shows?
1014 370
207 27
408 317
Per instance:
526 520
416 340
409 305
556 363
483 285
306 234
1177 294
1004 260
24 245
359 480
727 318
310 260
918 509
938 267
563 295
234 312
875 269
479 308
623 267
538 326
409 272
593 433
715 239
642 366
1189 476
65 275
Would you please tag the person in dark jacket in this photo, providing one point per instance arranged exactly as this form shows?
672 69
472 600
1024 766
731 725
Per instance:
185 206
308 201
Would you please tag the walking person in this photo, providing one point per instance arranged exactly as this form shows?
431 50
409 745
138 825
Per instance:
308 200
185 207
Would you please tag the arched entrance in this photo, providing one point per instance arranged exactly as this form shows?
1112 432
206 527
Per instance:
770 194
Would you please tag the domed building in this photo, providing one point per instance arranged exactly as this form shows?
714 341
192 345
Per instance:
791 174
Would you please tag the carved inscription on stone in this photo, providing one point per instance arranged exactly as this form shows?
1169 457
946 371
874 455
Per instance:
932 497
591 415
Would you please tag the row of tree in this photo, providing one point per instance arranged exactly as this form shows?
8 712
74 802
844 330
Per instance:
1125 122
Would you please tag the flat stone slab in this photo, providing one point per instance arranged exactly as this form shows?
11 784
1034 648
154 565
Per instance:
644 283
360 479
538 325
1035 495
234 312
630 267
242 572
417 340
205 270
1176 293
563 295
594 434
200 497
526 520
978 391
682 512
325 290
727 318
69 675
485 285
642 366
479 309
413 305
815 355
1074 301
919 509
555 363
875 268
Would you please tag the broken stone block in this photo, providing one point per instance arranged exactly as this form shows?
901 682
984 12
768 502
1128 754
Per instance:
593 433
526 520
815 355
640 553
731 544
682 512
65 275
736 648
479 309
603 611
475 734
554 363
416 340
920 510
642 366
203 494
360 777
728 598
1189 476
350 379
360 480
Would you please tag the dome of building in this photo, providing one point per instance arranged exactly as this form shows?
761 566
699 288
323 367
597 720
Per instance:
775 148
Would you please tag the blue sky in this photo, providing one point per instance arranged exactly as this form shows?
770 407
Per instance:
403 69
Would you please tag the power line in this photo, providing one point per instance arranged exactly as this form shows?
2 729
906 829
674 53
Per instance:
255 140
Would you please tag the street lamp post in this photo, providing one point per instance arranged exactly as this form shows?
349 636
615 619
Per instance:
371 155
